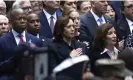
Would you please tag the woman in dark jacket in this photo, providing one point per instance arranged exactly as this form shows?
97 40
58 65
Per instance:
104 45
64 45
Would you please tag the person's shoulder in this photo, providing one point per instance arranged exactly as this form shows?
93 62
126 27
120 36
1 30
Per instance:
83 16
5 36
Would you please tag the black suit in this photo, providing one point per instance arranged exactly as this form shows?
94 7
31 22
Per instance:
45 29
123 28
95 55
59 51
88 27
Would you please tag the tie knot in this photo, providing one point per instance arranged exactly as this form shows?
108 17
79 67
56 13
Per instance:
100 20
51 17
20 35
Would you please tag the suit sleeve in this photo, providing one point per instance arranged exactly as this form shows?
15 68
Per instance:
6 65
84 34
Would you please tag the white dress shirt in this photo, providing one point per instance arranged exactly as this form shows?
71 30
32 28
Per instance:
15 34
97 17
112 55
130 23
48 16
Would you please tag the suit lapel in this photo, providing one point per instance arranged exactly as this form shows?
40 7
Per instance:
124 27
45 29
12 38
92 22
63 50
105 55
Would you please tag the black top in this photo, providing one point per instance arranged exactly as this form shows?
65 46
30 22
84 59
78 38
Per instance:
59 51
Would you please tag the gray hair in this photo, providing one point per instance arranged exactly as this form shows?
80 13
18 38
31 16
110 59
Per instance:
4 17
17 4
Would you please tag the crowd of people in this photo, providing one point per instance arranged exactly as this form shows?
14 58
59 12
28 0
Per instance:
99 29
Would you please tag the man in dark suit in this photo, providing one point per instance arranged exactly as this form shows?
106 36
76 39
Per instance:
125 24
16 36
48 18
93 19
33 27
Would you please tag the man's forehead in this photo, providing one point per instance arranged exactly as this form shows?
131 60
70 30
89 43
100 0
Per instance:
128 2
2 4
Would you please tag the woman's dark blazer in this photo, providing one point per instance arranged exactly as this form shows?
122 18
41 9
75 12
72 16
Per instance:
95 55
59 51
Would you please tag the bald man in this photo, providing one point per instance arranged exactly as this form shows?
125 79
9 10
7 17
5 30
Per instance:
12 39
4 25
2 8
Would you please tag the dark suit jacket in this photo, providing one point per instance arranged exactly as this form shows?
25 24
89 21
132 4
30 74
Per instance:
123 28
59 51
88 27
95 55
45 29
7 46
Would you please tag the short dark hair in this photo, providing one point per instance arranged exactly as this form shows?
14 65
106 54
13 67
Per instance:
62 3
59 27
79 4
100 39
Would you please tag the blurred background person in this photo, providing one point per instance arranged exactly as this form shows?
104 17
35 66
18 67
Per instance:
74 15
83 6
105 45
125 26
66 5
90 21
48 18
33 27
4 25
2 8
113 69
33 24
126 55
23 4
36 6
110 12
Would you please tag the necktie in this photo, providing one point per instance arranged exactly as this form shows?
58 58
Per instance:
21 40
52 23
100 21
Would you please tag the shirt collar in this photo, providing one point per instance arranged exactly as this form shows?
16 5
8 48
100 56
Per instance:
95 16
49 15
106 50
16 33
130 23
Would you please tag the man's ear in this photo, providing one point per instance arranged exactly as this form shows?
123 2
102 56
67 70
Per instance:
92 3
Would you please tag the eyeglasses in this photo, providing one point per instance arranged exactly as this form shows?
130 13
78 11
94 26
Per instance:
129 6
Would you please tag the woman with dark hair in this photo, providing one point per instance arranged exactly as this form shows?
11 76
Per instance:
64 46
74 15
105 44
